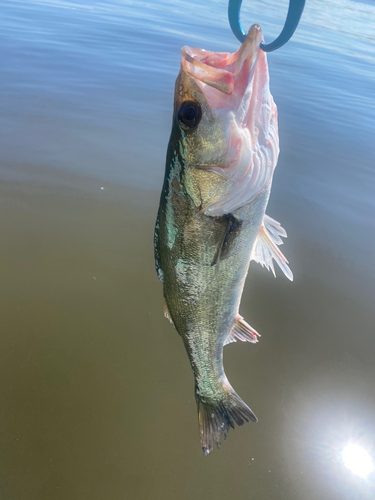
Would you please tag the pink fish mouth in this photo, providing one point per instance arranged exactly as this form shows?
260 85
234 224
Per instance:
226 72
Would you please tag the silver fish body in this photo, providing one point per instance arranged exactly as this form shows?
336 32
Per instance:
205 238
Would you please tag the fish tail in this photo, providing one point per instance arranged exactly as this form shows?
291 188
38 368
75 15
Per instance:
217 415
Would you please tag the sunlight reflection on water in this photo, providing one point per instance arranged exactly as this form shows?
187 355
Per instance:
357 460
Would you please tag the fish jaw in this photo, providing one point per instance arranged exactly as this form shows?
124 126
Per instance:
237 137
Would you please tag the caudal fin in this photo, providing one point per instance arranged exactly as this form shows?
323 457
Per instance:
216 416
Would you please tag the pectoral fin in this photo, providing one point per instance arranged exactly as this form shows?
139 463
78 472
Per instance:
231 233
266 249
242 331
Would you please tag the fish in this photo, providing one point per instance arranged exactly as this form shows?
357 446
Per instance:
211 222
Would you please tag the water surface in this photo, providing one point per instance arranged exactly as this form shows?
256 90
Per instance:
96 390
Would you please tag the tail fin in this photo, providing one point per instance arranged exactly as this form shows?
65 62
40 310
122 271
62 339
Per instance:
216 416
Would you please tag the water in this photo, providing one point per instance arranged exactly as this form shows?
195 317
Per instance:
96 391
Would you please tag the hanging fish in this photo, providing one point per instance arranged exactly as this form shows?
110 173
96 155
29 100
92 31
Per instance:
211 223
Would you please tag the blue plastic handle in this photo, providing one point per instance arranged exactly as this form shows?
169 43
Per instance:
292 19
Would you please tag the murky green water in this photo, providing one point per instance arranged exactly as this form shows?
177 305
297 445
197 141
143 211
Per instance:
97 396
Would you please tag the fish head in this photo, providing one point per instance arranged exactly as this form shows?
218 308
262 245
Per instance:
203 128
226 122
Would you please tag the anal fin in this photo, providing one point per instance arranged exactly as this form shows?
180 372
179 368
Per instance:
242 331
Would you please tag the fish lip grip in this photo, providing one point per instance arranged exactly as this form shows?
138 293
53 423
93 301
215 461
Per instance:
292 20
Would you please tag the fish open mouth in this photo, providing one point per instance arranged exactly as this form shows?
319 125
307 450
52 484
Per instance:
236 89
229 73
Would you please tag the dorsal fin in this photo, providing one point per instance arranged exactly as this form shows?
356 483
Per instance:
242 331
266 249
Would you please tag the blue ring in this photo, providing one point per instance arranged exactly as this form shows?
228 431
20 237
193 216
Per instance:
292 20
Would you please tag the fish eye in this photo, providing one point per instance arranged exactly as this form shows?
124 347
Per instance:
189 114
